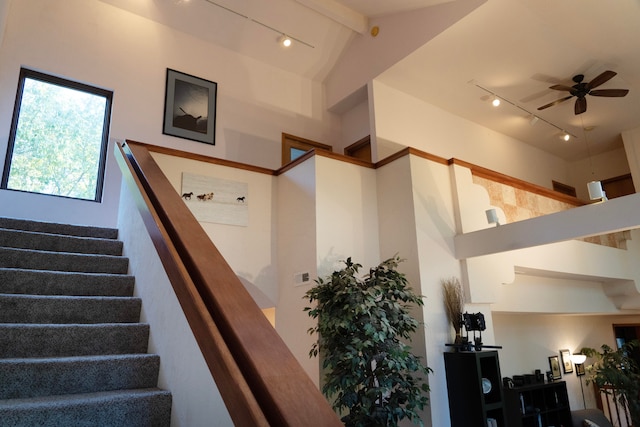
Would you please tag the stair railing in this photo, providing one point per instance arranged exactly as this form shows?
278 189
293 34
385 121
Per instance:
258 377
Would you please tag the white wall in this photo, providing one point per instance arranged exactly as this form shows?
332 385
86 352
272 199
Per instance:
196 401
528 341
407 121
355 125
98 44
297 254
250 250
346 215
597 168
4 11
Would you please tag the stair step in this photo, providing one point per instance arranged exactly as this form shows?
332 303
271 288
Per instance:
36 377
27 340
72 350
37 282
68 309
58 243
53 228
60 261
129 408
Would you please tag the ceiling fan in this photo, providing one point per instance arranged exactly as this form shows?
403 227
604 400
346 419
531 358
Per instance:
581 90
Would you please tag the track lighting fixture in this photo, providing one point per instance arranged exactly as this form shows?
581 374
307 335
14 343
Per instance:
281 40
565 136
533 119
284 41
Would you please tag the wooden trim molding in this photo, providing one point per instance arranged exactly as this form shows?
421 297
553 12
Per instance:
475 169
517 183
258 377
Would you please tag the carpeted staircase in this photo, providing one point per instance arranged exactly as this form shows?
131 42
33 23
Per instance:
72 350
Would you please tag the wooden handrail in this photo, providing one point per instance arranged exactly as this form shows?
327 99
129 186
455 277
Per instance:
258 377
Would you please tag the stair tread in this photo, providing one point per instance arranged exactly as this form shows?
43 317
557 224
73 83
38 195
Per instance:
53 340
128 408
26 239
72 348
65 309
56 228
20 281
89 358
32 377
69 399
62 261
69 297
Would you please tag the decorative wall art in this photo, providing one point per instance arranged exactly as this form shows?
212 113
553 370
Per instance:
216 200
190 107
554 365
567 365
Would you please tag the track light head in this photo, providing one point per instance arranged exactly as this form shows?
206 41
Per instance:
284 41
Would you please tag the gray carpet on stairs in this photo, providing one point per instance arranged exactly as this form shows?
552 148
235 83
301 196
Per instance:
72 349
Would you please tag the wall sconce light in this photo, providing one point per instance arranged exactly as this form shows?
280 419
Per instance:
595 191
578 360
284 41
492 217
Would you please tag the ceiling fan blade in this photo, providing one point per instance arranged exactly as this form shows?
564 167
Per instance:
609 92
561 87
602 78
581 105
556 102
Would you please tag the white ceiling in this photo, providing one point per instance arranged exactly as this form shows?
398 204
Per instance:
515 49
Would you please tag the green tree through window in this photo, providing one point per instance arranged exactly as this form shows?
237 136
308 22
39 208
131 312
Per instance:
58 139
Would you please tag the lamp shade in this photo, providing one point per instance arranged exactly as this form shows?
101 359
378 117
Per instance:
578 359
492 216
595 190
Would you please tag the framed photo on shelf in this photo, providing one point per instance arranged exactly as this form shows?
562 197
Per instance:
567 365
190 107
554 365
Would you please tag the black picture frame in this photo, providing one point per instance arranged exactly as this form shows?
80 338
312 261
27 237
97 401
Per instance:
580 369
565 359
554 365
190 107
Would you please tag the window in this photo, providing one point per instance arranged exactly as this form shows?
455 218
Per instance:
294 147
58 139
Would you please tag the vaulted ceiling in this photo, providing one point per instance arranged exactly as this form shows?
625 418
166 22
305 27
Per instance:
512 49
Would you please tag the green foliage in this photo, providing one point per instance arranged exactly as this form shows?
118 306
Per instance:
375 378
58 141
616 368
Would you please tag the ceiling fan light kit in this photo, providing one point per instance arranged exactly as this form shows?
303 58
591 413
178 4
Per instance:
581 89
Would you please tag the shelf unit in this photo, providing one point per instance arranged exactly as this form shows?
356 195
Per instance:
538 405
468 404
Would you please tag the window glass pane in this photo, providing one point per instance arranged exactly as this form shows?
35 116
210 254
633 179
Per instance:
295 153
58 144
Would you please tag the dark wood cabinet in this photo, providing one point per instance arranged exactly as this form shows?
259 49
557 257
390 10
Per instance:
538 405
471 404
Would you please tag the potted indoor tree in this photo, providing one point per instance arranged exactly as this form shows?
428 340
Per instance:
616 372
362 326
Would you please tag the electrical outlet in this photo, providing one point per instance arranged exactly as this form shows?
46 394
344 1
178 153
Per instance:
301 278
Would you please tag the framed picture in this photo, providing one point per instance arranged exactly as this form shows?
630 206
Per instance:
190 107
580 369
554 365
567 365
